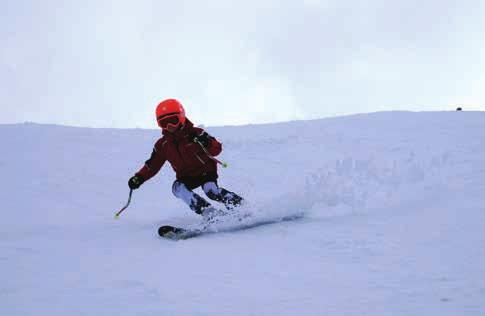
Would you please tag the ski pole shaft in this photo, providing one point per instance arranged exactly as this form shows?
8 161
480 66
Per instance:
223 164
117 215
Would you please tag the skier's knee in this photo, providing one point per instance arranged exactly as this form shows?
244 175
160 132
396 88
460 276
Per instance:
210 187
178 188
212 191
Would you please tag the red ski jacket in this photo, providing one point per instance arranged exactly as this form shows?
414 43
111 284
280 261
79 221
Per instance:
188 159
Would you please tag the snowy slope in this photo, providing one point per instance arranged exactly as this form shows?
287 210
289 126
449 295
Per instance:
393 221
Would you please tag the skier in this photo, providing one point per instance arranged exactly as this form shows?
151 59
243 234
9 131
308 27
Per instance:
190 150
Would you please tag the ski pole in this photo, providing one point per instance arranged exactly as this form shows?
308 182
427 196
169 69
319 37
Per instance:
223 164
117 215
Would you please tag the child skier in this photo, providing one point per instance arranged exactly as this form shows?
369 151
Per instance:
190 151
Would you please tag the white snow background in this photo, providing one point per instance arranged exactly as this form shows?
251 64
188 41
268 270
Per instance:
392 205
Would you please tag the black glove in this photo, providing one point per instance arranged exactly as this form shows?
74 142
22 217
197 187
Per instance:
135 182
203 138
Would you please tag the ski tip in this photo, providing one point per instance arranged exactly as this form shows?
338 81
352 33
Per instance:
164 230
176 233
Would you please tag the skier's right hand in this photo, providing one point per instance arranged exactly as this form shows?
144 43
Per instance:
135 182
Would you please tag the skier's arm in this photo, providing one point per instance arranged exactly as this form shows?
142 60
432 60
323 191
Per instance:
213 146
152 165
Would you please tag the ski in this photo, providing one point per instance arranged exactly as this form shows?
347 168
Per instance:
179 233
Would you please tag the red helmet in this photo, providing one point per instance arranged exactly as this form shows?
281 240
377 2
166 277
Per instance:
170 112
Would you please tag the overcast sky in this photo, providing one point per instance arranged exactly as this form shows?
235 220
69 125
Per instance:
108 63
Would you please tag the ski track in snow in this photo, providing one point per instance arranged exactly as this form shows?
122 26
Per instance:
390 210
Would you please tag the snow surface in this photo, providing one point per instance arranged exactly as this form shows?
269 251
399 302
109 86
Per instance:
392 205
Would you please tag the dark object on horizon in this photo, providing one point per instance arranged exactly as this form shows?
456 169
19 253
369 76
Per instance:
458 109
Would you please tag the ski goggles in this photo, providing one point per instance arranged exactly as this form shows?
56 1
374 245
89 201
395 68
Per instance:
167 120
